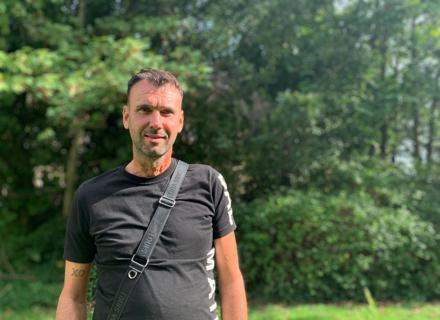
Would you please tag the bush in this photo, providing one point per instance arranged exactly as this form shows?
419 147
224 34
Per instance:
316 247
38 285
24 294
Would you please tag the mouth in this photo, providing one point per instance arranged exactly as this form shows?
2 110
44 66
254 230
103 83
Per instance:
152 136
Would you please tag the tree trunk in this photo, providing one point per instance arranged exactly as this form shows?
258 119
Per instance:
432 119
384 139
82 12
431 133
416 130
77 142
384 127
394 118
414 108
71 167
393 153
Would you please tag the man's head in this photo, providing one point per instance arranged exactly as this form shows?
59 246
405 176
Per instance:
156 77
153 113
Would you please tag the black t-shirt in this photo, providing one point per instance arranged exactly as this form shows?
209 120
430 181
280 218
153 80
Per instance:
111 212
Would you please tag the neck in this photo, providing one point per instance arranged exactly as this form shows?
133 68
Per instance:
149 167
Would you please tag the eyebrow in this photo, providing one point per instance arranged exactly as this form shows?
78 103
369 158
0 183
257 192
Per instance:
166 108
144 106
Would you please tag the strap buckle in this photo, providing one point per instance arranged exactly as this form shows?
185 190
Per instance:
167 202
136 267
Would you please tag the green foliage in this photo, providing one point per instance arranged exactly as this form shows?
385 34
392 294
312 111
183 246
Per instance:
37 286
337 100
22 294
422 194
285 149
51 91
306 246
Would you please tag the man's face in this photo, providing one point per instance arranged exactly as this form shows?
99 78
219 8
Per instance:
154 117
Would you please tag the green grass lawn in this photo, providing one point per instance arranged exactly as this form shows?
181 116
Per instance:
333 312
303 312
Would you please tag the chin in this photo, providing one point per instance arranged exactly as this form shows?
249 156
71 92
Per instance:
154 154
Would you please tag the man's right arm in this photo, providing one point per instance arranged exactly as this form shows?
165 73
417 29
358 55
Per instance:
73 297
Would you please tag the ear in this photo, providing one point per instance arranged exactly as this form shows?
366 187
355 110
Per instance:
125 115
181 120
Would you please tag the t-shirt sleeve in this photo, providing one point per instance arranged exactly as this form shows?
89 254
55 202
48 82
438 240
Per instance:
223 222
78 245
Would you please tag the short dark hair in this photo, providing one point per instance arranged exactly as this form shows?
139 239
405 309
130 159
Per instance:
156 77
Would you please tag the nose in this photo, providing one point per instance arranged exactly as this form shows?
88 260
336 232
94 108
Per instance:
155 119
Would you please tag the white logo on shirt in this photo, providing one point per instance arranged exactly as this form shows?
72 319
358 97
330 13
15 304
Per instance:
210 263
212 286
226 193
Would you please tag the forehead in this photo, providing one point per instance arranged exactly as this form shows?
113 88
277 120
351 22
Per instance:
143 92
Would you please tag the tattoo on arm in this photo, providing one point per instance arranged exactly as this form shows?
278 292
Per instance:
78 273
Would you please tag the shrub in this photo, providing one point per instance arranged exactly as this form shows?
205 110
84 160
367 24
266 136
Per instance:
316 247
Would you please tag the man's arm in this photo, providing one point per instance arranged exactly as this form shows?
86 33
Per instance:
72 301
232 292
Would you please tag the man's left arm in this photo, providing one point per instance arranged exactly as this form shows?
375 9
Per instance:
231 284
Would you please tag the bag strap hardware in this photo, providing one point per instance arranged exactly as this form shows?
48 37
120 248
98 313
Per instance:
132 274
167 202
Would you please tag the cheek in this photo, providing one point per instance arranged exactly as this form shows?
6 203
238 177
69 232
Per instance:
136 123
177 127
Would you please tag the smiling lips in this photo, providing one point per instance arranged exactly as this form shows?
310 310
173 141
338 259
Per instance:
154 136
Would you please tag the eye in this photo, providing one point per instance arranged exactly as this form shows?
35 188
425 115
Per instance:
144 109
166 112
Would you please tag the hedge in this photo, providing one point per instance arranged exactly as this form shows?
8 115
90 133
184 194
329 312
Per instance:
308 246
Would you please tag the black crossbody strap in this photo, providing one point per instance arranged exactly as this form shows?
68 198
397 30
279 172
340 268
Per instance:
140 259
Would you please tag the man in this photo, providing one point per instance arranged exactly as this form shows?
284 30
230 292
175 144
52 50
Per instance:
110 213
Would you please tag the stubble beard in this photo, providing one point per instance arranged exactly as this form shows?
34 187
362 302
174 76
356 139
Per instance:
145 150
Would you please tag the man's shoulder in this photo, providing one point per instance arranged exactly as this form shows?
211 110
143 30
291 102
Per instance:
99 181
202 170
200 173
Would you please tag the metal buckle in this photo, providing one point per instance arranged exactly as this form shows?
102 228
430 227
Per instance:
137 264
167 202
136 267
132 274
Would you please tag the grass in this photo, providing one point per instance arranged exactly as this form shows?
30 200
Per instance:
303 312
32 314
347 312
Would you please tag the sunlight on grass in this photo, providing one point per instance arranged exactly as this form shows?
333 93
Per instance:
303 312
332 312
32 314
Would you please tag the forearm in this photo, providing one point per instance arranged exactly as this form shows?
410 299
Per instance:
233 300
70 309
